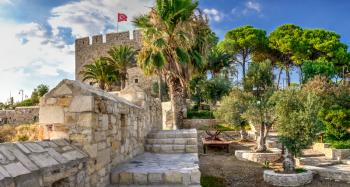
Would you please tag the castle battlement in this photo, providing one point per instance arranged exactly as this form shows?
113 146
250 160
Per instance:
110 38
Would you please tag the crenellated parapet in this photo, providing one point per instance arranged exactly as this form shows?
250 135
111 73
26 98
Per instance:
87 49
110 38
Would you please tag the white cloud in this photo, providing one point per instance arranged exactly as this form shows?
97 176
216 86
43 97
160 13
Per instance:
213 14
90 17
30 57
31 54
5 2
255 6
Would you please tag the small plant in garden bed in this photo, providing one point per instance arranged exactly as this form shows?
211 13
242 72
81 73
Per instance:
211 181
200 114
345 144
300 170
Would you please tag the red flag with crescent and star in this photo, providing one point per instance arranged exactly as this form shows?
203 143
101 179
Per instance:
122 17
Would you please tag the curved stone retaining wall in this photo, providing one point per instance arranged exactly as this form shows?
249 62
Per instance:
258 157
281 179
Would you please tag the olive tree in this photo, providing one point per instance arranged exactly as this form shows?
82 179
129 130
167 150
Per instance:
231 109
259 83
297 122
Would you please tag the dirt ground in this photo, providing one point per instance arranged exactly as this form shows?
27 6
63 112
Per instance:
218 163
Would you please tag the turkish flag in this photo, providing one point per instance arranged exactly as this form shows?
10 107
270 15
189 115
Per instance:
122 17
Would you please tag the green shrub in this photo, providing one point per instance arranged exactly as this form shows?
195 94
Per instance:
200 114
300 170
337 123
340 144
211 181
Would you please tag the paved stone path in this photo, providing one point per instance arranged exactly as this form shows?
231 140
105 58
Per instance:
172 161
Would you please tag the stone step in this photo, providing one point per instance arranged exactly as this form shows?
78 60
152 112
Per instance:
155 185
174 141
158 169
316 161
183 133
169 148
311 153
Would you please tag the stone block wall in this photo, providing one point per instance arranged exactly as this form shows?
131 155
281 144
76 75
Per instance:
331 153
108 128
20 115
42 163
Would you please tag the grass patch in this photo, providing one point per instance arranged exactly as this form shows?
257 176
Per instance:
224 127
211 181
345 144
24 132
200 114
300 170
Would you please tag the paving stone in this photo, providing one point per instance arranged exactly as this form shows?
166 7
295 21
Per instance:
24 159
4 172
125 178
140 178
16 169
36 148
173 177
73 155
4 150
191 148
195 177
3 159
43 160
60 142
52 152
155 178
22 147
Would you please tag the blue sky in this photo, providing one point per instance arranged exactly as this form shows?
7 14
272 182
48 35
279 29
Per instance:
37 36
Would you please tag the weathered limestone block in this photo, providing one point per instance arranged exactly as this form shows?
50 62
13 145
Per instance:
51 114
125 178
82 104
155 178
173 177
140 178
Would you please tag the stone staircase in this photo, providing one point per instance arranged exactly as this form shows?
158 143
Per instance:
171 159
174 141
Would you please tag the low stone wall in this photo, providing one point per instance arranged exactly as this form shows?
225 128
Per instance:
330 173
110 129
20 115
42 163
331 153
281 179
258 157
197 123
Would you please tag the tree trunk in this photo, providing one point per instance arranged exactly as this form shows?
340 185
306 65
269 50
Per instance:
243 133
279 78
288 75
122 84
288 162
177 102
261 140
160 87
102 85
243 69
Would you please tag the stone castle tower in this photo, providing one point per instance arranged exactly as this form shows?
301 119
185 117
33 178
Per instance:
88 49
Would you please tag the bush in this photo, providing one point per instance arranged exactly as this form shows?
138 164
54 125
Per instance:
211 181
337 123
10 133
340 144
200 114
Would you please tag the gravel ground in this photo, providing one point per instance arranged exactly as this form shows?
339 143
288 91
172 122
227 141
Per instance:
238 173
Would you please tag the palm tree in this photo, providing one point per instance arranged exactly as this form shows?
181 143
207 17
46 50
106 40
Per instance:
217 61
121 57
169 43
100 72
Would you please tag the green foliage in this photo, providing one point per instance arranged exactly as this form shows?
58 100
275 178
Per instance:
26 102
343 144
100 72
259 77
196 89
218 59
319 67
243 42
211 181
300 170
38 92
297 122
337 122
214 89
121 57
232 107
199 114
